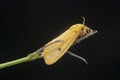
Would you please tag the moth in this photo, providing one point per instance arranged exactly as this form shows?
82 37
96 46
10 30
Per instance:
55 49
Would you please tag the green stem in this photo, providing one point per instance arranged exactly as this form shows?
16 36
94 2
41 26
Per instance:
30 57
14 62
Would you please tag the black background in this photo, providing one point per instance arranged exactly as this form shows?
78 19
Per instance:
27 25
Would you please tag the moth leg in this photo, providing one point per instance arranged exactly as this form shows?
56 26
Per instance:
77 56
40 51
86 36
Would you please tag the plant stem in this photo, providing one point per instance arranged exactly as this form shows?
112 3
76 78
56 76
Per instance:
14 62
30 57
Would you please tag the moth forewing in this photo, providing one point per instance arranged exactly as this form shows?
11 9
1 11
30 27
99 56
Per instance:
55 51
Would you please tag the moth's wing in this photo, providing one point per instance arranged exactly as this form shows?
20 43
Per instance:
55 51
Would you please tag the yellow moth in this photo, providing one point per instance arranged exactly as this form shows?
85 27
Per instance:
56 48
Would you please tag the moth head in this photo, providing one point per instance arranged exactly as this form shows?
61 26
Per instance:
84 30
81 29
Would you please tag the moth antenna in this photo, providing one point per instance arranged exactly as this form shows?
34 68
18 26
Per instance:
86 36
83 20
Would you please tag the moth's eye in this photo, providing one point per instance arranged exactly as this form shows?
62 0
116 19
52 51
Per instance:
88 30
